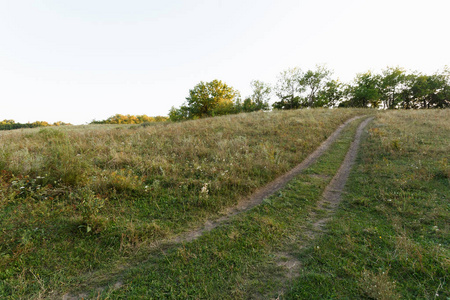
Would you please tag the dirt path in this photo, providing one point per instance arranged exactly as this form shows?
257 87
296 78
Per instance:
327 206
331 196
257 197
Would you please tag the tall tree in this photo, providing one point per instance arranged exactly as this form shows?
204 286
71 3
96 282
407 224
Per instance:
259 100
437 91
426 91
207 99
391 86
331 94
408 94
289 89
365 91
313 82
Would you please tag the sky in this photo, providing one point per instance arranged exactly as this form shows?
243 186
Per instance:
80 60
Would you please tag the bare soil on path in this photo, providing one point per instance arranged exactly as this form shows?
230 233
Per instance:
331 196
325 208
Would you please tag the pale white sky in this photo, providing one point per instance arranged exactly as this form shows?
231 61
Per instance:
81 60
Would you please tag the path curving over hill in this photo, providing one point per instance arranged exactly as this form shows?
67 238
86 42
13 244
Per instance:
325 208
331 196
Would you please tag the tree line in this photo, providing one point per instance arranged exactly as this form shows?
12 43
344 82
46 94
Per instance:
11 124
393 88
116 119
130 119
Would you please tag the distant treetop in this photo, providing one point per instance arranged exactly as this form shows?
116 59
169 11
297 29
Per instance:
11 124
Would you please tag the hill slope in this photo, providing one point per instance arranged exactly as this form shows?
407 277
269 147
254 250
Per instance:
80 199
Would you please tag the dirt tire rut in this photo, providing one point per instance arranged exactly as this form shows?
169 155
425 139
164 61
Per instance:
332 194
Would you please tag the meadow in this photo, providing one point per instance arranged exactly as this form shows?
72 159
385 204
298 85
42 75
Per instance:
81 198
84 207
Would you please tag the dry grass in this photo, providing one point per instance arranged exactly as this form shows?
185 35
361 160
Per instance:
75 199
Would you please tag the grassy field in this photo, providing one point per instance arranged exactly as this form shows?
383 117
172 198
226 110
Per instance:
69 224
390 238
77 200
248 256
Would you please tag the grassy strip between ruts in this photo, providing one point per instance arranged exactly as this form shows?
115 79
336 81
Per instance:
390 239
244 258
78 200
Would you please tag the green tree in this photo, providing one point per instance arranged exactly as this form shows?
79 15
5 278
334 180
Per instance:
439 90
289 89
426 91
179 114
211 98
365 91
207 99
331 94
445 89
408 95
259 100
391 85
130 119
314 82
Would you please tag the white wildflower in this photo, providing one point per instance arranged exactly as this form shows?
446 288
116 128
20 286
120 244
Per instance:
205 190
